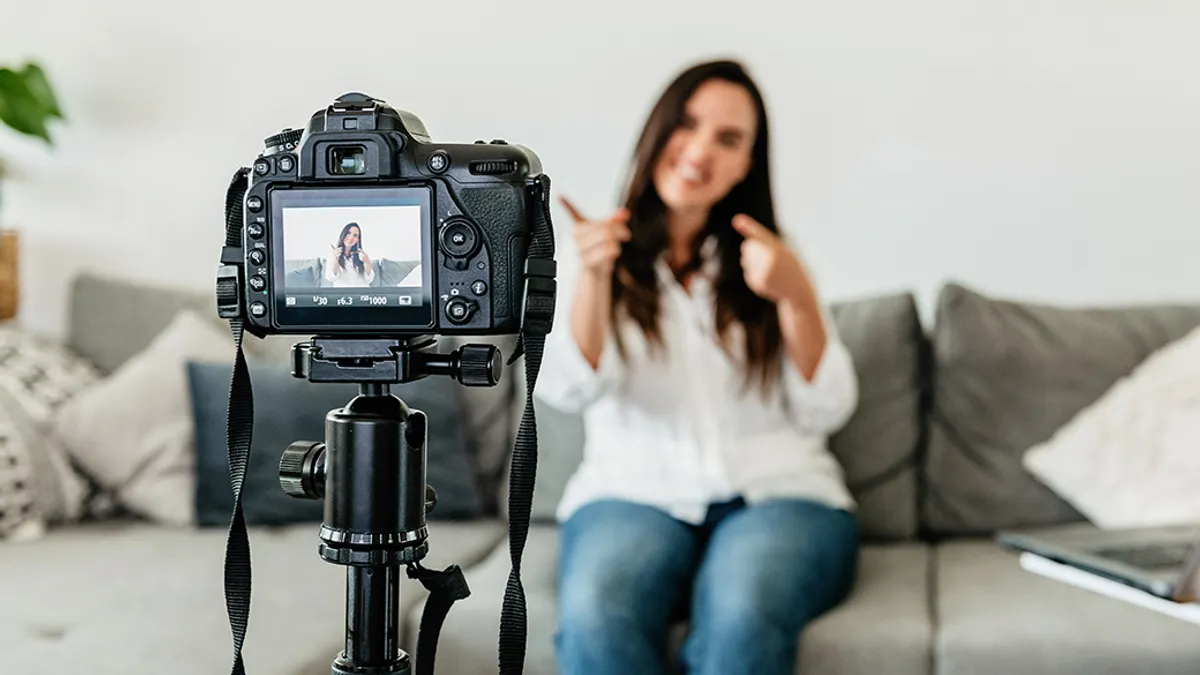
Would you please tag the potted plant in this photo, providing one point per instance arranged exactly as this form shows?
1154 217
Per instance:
27 105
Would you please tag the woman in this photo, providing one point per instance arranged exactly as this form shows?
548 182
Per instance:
348 264
709 377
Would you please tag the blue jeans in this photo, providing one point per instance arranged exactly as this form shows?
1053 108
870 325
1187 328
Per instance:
747 580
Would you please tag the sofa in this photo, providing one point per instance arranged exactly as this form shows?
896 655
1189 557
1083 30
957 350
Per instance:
310 273
932 455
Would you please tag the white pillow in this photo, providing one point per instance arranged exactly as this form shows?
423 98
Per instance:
133 432
1132 458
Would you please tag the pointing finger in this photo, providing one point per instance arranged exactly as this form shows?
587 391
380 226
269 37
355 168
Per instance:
751 228
574 212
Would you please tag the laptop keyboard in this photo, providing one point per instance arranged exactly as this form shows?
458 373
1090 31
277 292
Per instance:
1152 556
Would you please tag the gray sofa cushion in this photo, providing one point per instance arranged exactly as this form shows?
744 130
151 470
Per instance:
877 448
114 598
883 627
111 319
995 617
1006 376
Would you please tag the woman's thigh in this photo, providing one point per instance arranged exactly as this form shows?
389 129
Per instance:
780 563
621 560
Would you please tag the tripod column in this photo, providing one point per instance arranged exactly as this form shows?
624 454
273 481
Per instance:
372 608
374 520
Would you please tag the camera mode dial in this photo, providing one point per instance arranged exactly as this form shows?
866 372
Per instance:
284 141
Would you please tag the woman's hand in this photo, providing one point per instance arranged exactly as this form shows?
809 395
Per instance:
366 259
771 269
599 241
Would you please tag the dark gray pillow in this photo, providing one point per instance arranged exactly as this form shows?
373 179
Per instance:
878 446
289 409
1007 375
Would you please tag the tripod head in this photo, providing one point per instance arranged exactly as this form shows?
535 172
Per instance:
370 472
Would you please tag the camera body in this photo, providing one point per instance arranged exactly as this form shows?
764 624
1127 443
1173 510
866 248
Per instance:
361 225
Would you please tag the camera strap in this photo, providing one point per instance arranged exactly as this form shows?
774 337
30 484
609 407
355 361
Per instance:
445 587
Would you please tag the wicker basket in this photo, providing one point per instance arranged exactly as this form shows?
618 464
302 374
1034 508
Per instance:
10 277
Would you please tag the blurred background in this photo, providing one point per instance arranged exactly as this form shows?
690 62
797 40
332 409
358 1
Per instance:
1045 150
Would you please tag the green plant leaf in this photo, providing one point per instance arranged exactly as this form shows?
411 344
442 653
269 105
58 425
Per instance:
26 101
39 87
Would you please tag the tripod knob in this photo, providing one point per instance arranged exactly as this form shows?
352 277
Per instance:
478 365
302 470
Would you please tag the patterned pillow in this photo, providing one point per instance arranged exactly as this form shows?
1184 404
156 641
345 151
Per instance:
38 485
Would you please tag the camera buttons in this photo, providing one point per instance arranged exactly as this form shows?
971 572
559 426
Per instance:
255 230
258 309
255 204
499 141
458 238
439 162
257 282
286 164
459 309
478 287
257 257
262 167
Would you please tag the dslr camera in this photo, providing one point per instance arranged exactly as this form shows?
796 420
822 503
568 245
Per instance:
360 224
364 234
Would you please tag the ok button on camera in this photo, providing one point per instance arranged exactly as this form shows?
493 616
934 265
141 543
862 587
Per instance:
459 238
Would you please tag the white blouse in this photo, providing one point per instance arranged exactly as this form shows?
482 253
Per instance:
678 432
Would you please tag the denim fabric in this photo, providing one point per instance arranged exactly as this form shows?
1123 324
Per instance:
747 580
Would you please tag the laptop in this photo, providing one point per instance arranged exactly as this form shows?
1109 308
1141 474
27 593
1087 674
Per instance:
1163 561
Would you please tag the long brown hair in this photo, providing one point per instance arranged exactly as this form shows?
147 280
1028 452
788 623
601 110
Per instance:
354 260
635 283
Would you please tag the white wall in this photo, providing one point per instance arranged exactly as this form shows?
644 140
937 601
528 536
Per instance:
1036 148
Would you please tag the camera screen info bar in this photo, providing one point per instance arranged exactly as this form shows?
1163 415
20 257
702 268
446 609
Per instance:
351 299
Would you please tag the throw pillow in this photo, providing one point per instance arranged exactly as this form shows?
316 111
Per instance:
132 432
1006 375
289 409
1129 459
38 486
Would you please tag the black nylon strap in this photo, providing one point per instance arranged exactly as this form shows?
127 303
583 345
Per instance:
444 588
538 318
238 433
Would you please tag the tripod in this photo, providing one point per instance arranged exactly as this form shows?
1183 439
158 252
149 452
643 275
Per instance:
370 471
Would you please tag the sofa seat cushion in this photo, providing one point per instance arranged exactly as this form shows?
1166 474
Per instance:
127 597
995 617
883 627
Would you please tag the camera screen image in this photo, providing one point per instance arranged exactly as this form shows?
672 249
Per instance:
352 250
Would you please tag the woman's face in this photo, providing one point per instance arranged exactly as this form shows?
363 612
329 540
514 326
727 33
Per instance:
351 238
709 152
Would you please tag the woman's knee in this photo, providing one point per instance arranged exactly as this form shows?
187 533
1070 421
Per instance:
621 564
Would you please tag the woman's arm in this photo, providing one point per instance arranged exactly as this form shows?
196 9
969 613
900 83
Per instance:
368 269
820 384
332 272
581 360
590 307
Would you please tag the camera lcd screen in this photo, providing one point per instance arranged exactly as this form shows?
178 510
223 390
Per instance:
353 257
